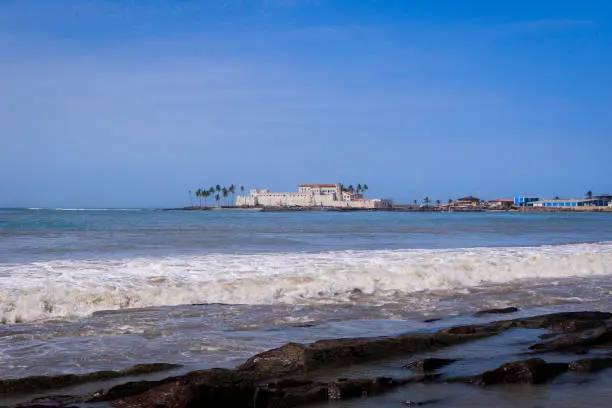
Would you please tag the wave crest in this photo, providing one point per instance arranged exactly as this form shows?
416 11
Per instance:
66 289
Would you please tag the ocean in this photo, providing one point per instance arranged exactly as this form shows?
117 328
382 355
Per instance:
87 290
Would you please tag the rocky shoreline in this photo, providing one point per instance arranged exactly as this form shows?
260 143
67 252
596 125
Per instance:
291 375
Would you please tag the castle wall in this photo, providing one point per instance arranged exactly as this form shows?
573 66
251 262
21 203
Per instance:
307 197
245 201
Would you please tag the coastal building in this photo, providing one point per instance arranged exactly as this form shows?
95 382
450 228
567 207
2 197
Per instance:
523 201
501 203
574 202
468 201
311 195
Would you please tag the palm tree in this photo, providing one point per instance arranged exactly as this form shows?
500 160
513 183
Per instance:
225 192
364 188
241 190
438 202
217 198
589 194
232 190
207 193
351 188
211 190
199 195
359 188
426 201
218 188
414 202
450 200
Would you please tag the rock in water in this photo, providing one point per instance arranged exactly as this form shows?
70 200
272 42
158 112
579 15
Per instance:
590 365
573 341
428 364
294 358
497 311
531 371
43 382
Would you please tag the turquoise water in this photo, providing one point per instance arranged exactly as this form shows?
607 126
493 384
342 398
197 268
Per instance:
29 235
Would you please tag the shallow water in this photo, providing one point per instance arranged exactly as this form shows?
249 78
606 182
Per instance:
82 291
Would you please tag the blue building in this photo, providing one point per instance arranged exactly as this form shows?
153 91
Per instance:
525 201
574 202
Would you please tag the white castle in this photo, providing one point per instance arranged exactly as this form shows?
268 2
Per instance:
311 195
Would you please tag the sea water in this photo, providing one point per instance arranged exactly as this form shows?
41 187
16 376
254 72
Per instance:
86 290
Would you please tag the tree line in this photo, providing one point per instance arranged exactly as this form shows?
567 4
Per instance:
217 192
427 201
361 188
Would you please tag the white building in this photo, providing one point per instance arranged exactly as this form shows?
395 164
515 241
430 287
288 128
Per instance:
311 195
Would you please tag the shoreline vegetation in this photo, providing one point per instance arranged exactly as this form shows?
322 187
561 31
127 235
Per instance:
396 208
295 374
226 199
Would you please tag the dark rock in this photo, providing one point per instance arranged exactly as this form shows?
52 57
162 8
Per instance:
303 325
590 365
479 329
227 388
428 364
531 371
124 390
287 359
288 393
433 319
215 387
54 401
344 389
547 336
304 394
43 382
294 358
579 350
140 369
568 322
497 311
421 403
572 342
249 384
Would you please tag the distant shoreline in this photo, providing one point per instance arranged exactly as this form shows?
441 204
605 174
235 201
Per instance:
398 208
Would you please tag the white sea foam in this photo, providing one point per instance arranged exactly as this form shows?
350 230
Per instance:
40 290
96 209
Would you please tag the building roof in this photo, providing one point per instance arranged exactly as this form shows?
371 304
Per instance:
318 185
568 200
469 198
502 200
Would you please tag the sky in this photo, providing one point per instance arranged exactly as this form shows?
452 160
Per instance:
134 103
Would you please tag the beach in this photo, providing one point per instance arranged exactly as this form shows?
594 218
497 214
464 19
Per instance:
83 291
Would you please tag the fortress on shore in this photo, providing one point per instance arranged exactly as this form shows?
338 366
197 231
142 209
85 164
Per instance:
312 195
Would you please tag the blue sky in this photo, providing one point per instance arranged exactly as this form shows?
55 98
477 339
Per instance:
126 104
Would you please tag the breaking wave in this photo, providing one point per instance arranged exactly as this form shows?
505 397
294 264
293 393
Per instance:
68 289
75 209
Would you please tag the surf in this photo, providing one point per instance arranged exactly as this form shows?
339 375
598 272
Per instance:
75 288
